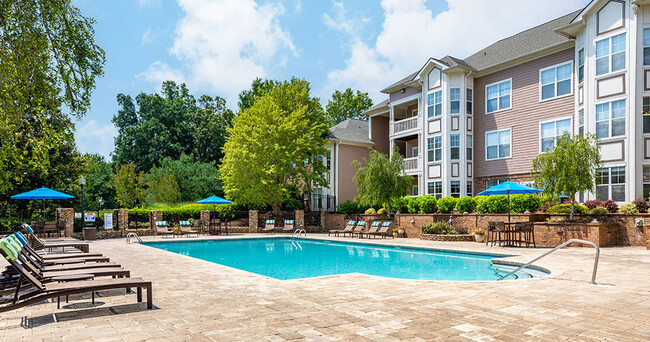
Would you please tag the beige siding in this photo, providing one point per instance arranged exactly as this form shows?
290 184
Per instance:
398 95
347 189
524 116
380 133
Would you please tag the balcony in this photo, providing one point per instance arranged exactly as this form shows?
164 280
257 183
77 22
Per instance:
411 164
406 124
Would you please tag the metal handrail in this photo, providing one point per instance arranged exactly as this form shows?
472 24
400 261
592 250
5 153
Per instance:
298 232
593 274
130 235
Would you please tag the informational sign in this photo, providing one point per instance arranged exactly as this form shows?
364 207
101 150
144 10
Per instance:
108 220
77 215
90 217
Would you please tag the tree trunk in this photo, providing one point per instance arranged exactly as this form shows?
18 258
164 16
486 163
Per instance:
573 207
276 207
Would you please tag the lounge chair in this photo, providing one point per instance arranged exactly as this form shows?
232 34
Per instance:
288 226
41 291
374 228
359 228
40 244
186 228
348 228
269 226
163 229
384 231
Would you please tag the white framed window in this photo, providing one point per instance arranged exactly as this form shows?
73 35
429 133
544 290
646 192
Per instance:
551 130
470 188
415 151
581 122
414 190
610 54
610 119
434 149
498 144
454 98
646 46
556 81
610 183
498 96
646 114
646 181
435 189
454 146
469 100
414 112
455 189
494 182
469 144
434 104
581 65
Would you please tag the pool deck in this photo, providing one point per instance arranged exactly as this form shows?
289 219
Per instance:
202 301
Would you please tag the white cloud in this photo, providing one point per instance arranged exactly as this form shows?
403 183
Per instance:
148 37
158 72
411 34
225 44
340 20
93 137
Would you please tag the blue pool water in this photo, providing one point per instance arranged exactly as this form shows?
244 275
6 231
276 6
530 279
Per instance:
285 258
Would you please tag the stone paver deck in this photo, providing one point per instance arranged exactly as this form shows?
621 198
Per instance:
202 301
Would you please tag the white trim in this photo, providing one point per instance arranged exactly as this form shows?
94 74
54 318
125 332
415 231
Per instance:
577 66
539 140
442 149
460 97
426 107
486 143
609 55
539 83
627 118
486 95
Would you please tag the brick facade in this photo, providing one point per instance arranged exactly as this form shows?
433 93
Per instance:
121 219
252 221
154 215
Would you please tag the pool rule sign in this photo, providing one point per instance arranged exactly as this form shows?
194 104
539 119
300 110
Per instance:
108 220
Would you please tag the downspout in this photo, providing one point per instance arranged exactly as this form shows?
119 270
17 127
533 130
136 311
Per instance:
336 175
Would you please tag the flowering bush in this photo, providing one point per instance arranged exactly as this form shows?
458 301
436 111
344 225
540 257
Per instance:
479 231
628 208
599 211
438 227
641 205
611 206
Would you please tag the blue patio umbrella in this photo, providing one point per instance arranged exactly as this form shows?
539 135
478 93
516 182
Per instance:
214 200
42 194
508 188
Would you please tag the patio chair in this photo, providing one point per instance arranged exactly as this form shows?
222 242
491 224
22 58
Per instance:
40 244
51 228
269 226
374 228
215 226
163 229
186 228
495 233
360 228
348 228
39 291
384 231
288 226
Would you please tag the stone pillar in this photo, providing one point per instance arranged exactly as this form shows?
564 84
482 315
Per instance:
322 220
252 221
299 219
121 219
205 216
65 216
154 215
647 237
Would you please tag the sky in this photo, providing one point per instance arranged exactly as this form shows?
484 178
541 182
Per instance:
218 47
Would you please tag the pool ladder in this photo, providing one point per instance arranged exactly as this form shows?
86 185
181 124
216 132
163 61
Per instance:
130 235
298 233
593 273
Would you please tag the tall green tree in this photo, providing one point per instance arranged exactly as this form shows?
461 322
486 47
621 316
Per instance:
129 185
269 153
196 180
570 168
382 180
347 105
98 174
155 126
48 61
162 189
258 88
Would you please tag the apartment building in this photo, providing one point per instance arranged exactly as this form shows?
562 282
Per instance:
464 125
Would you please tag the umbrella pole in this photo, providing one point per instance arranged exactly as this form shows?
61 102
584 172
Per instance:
44 211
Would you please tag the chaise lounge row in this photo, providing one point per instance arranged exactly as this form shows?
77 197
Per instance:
358 228
270 227
185 228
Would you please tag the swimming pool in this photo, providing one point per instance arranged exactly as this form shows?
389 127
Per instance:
286 258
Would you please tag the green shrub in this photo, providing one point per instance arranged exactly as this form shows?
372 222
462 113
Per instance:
566 209
446 204
413 204
495 204
9 224
466 204
370 211
438 227
348 207
292 204
399 205
427 204
628 209
381 211
521 203
548 201
599 211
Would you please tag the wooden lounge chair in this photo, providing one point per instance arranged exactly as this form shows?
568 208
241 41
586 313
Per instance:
374 228
186 228
163 229
288 226
359 228
40 244
41 291
269 226
349 226
384 231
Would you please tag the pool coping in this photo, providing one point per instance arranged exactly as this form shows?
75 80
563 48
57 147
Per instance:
500 260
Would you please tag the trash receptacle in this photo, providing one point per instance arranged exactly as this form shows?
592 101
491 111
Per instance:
90 233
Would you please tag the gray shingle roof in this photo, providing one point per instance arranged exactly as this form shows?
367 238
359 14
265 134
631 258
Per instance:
455 62
351 130
400 82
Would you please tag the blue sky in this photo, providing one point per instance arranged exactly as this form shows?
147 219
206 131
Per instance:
218 47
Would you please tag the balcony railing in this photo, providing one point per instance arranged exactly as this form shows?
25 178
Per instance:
405 125
411 164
